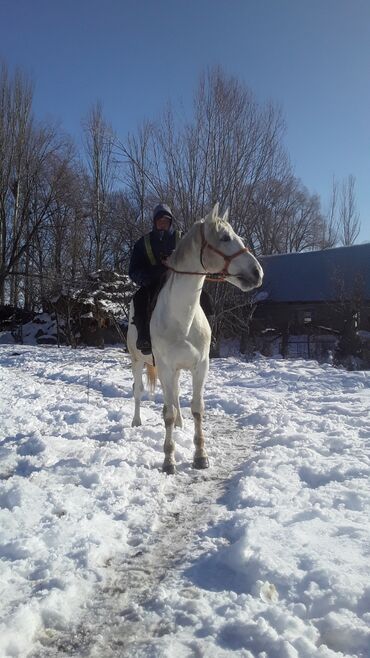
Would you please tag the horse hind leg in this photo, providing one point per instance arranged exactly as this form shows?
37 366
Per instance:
200 460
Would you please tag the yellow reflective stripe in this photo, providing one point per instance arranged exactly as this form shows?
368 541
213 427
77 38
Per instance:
149 250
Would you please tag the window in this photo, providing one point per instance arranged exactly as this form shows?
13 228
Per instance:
307 317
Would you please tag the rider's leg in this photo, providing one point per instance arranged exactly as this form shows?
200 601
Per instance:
141 318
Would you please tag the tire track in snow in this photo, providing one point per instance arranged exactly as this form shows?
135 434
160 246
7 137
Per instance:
118 622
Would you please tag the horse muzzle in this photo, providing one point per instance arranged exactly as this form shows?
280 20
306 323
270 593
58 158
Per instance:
249 280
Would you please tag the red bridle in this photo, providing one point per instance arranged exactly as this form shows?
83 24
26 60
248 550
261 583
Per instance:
218 276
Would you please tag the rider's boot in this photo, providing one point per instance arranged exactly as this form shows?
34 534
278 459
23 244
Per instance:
143 344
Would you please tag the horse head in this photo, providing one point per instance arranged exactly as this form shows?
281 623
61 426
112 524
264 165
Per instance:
224 253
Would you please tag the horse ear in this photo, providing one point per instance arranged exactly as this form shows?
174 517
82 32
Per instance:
226 216
213 214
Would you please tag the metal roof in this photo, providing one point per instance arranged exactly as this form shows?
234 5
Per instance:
317 276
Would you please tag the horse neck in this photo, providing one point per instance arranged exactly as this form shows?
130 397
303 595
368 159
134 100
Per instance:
183 290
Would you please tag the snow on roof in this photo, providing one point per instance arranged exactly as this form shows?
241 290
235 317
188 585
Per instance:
310 276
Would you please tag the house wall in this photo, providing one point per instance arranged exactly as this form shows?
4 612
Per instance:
306 318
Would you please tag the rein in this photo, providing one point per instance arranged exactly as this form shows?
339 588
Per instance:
217 276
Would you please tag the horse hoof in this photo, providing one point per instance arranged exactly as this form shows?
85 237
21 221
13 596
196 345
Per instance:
136 423
200 462
169 469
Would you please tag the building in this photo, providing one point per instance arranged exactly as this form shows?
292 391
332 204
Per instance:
310 299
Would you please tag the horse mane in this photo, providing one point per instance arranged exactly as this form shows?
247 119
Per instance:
184 244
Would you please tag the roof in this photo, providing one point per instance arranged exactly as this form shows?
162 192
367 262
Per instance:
316 276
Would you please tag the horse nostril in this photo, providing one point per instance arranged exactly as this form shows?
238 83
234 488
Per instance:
256 273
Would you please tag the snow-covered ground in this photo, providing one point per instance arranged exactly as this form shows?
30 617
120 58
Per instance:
266 554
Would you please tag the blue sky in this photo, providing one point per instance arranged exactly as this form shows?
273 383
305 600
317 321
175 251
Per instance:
310 56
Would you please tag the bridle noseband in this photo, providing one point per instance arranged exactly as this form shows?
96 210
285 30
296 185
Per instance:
225 271
217 276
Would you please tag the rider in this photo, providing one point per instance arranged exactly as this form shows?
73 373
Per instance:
147 268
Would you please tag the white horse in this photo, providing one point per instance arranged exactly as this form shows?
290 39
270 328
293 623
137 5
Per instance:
179 329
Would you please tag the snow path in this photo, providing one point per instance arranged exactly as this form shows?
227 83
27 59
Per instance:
119 620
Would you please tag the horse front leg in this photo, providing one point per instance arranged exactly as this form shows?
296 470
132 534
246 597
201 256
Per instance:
200 460
178 420
169 417
137 371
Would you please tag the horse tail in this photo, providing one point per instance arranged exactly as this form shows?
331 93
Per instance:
151 377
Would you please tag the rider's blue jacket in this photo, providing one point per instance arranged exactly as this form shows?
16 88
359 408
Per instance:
146 266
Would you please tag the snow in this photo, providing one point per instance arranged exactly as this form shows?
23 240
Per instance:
260 296
265 554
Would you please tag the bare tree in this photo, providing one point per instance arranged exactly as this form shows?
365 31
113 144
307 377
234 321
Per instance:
349 219
330 236
142 182
290 218
25 192
124 230
61 216
15 130
60 247
101 163
230 147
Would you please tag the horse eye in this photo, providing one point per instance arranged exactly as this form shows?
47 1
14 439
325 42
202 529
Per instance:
226 238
